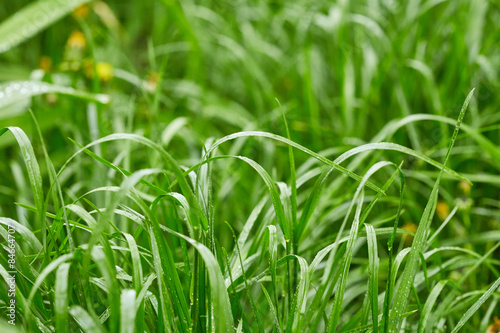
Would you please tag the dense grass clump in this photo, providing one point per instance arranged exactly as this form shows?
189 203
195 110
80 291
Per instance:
250 166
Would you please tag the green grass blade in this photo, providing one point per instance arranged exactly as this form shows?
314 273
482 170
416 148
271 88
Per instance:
293 144
18 91
127 311
28 236
85 321
429 303
61 297
373 265
399 148
220 298
32 19
33 174
339 294
403 292
476 306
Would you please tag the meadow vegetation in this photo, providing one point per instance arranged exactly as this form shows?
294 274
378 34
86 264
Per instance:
250 166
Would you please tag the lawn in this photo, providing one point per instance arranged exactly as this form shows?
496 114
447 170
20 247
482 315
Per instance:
250 166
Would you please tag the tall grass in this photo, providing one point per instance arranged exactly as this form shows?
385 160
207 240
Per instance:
259 166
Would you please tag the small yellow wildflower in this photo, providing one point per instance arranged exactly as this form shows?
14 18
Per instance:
82 11
443 210
152 81
410 227
77 40
45 63
464 187
104 71
495 327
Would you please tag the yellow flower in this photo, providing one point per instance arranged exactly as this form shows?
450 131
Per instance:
464 187
410 227
45 63
104 71
495 327
152 81
443 210
77 40
82 11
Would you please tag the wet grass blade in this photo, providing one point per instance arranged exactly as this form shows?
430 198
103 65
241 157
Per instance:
18 91
85 321
373 265
220 298
292 144
33 174
476 306
403 292
127 322
429 303
62 297
32 19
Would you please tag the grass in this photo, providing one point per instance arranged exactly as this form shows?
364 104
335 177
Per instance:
251 166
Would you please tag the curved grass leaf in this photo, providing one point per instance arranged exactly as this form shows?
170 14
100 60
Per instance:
27 234
17 91
339 294
403 292
373 265
476 306
86 322
429 303
293 144
393 126
127 322
399 148
220 298
32 19
61 297
33 174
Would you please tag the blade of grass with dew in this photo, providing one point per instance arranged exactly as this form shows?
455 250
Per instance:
136 261
329 280
245 232
273 310
402 295
339 294
34 176
127 322
272 188
273 255
24 232
252 302
85 321
484 142
446 303
429 303
172 164
32 19
399 148
40 279
57 195
17 91
298 309
467 315
220 298
165 263
61 299
373 266
293 144
390 244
